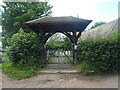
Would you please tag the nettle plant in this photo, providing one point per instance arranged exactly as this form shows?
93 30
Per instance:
24 48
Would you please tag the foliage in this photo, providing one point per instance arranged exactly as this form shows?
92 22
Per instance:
24 48
50 59
16 13
97 24
54 41
20 71
101 53
88 69
69 59
0 66
67 43
58 41
4 56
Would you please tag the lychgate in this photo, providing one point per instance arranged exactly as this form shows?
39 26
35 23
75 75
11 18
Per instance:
70 26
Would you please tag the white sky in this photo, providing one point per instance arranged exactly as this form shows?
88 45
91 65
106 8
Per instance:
96 10
85 8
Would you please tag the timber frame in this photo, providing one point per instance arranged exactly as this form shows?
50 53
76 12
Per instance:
70 26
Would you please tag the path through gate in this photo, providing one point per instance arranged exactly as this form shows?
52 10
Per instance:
59 60
59 56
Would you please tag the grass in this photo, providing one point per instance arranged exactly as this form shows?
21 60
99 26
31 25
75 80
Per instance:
88 69
20 71
0 66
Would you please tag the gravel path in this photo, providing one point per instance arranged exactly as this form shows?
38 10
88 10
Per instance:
62 81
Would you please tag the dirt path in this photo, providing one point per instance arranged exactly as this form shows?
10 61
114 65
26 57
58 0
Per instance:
62 81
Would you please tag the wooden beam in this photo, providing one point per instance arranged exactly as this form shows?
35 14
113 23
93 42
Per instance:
79 34
74 50
69 36
47 36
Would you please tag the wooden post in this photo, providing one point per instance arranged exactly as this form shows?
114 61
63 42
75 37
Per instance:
42 54
74 48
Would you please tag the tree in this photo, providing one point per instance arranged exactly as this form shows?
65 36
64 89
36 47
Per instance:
55 41
97 24
67 43
16 13
58 41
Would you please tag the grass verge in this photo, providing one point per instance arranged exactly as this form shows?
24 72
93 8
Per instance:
88 69
19 72
0 66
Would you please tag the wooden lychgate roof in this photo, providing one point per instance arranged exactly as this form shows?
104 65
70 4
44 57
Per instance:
58 24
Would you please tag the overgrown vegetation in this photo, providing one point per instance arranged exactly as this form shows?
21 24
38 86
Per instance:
0 66
19 71
24 48
23 58
99 55
4 56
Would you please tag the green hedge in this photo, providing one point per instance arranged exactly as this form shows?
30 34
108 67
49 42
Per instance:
101 54
24 48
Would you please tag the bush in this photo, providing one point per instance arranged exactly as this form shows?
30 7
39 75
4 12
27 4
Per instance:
101 53
24 48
